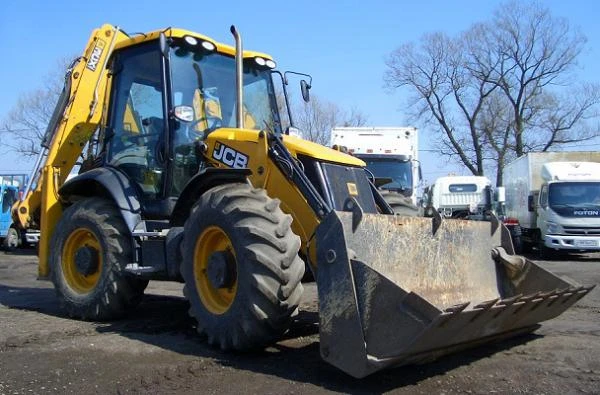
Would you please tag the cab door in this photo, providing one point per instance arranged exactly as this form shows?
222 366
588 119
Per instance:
137 121
542 211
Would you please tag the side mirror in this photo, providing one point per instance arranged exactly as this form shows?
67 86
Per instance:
305 88
184 113
501 194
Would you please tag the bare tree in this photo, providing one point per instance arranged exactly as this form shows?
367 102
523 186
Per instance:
537 52
522 60
496 124
317 117
449 92
24 126
564 119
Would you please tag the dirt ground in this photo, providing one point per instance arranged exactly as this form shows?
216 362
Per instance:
157 350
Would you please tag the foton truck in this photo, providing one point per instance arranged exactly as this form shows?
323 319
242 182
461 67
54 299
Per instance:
555 196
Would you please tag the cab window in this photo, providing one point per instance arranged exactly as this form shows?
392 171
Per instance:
137 120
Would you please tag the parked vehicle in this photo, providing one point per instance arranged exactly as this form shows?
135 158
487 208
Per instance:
181 183
555 197
11 235
392 155
459 196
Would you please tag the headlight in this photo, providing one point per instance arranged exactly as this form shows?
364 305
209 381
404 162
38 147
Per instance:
191 41
553 228
265 62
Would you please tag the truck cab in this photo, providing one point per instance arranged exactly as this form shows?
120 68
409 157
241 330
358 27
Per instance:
390 153
459 197
568 206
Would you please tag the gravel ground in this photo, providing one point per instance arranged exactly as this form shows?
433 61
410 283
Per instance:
157 350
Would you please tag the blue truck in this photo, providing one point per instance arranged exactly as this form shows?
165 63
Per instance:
11 237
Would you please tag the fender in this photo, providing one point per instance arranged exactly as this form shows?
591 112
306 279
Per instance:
110 183
200 183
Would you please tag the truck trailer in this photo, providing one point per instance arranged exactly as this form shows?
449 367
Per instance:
555 197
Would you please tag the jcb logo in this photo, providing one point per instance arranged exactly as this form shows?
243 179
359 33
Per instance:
95 56
229 156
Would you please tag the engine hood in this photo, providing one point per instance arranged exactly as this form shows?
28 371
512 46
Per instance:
298 146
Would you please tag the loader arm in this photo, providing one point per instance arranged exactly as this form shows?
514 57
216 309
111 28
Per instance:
76 117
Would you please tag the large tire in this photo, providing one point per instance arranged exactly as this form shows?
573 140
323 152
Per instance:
12 240
241 267
399 203
90 248
546 253
526 246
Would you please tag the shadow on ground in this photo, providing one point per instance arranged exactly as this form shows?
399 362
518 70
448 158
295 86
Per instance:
163 321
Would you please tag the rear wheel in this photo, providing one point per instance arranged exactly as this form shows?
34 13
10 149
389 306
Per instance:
241 267
12 240
526 246
546 253
399 203
90 249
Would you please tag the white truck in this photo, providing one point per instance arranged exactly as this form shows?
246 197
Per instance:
391 154
555 197
459 197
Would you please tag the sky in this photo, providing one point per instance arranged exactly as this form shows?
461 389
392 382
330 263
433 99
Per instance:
341 44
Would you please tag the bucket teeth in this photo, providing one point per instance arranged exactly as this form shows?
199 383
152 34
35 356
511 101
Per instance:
436 221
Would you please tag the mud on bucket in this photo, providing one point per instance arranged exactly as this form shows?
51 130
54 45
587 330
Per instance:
396 290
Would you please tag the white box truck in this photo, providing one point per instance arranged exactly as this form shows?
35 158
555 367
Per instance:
555 197
459 197
391 154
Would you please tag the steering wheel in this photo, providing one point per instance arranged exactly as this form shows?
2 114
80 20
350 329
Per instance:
192 134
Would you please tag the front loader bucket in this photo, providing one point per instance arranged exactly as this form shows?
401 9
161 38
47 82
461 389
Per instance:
398 290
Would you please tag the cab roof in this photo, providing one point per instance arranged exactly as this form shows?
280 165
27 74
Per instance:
172 32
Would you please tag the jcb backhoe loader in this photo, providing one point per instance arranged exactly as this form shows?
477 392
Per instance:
186 174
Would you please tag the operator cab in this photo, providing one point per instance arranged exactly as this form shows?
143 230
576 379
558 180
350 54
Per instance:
162 107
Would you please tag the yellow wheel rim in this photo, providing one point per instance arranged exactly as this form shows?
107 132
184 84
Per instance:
80 238
216 300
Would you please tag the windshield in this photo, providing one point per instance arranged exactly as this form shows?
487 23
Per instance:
9 197
206 82
399 171
574 194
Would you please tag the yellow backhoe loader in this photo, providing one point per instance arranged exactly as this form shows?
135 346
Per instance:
184 173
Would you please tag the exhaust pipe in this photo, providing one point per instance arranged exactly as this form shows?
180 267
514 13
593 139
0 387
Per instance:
239 58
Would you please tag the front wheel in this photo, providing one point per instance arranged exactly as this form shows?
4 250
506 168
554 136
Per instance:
241 267
90 248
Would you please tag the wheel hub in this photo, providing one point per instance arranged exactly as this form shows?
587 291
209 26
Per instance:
221 269
86 261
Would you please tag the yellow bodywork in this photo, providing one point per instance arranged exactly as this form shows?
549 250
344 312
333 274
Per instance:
266 175
84 113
